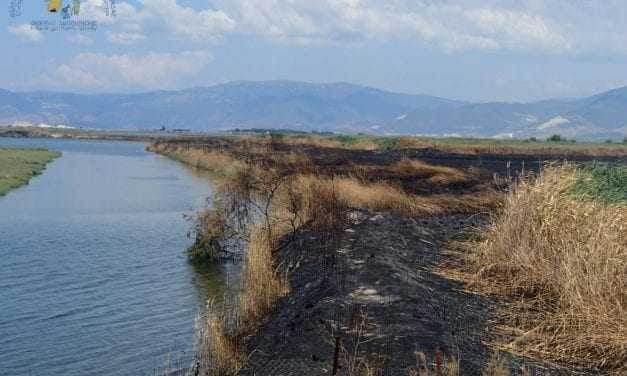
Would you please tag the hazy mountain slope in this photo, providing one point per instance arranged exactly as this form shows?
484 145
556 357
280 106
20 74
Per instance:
335 107
238 104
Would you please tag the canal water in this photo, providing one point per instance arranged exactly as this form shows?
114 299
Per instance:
93 278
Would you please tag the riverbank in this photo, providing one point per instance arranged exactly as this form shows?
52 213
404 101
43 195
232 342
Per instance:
353 263
92 134
18 166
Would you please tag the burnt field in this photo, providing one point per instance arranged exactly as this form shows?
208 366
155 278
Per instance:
366 262
374 165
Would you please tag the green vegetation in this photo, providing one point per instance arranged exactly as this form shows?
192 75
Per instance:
348 139
603 182
18 166
555 138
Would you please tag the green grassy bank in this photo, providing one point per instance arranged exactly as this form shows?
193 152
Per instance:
18 166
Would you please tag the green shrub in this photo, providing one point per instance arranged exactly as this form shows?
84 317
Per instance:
603 182
347 139
555 138
386 143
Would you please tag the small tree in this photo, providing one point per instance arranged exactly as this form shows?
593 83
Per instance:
555 138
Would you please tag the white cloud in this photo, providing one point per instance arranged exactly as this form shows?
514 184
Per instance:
124 37
522 26
80 39
185 23
553 27
160 18
26 33
93 72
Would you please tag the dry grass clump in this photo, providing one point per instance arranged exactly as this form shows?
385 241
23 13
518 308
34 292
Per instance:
383 196
217 351
262 283
565 262
324 206
413 168
315 141
217 162
406 142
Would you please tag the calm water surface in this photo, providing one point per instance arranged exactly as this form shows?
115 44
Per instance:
93 280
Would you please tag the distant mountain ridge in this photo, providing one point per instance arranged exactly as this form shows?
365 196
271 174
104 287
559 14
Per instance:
337 107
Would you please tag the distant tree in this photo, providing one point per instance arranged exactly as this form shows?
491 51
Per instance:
533 139
555 138
608 141
625 140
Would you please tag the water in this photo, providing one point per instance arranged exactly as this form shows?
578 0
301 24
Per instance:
93 280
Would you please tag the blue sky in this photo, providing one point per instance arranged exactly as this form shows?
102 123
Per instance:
480 50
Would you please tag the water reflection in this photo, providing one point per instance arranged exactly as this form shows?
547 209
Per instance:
93 275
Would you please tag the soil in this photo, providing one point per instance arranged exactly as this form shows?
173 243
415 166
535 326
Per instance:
376 284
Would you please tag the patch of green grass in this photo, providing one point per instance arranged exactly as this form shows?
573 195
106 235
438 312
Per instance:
603 182
18 166
386 143
347 140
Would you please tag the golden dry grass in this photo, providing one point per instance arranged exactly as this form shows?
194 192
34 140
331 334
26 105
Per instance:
262 283
439 175
217 351
382 196
214 161
563 265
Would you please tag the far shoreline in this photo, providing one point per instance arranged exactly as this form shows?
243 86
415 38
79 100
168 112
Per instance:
18 166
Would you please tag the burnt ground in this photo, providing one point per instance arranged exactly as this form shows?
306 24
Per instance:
378 275
375 283
339 161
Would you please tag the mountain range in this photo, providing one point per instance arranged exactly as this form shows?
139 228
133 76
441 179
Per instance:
336 107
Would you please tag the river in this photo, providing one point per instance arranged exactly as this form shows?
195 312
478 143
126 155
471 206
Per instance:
93 279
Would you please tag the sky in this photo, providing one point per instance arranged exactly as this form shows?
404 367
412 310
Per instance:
476 50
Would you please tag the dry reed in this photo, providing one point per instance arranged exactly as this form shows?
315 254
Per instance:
263 284
218 351
563 265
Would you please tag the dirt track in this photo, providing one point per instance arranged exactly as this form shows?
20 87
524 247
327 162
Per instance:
380 273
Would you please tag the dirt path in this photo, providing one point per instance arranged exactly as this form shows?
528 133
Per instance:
375 286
